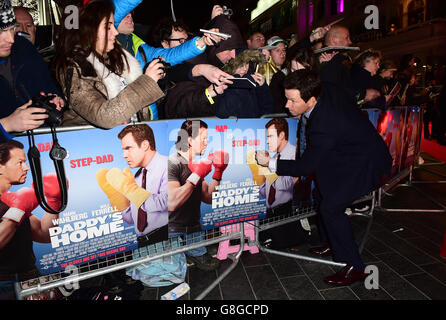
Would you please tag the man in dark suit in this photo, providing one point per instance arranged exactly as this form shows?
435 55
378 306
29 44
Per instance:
347 155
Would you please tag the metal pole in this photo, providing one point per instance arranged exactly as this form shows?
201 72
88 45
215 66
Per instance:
231 267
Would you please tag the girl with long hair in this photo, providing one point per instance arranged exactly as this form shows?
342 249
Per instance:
103 83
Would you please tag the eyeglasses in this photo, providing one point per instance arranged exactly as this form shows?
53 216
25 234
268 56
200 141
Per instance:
180 40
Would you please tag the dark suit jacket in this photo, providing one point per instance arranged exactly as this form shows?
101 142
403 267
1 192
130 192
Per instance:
344 150
337 72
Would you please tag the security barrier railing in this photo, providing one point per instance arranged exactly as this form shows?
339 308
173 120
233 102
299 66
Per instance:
172 246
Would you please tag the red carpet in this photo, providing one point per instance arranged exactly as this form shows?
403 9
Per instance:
434 149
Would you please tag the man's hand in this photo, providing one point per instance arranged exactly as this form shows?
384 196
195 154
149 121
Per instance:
325 57
24 118
212 73
154 70
319 33
371 94
262 158
216 11
259 78
209 39
58 101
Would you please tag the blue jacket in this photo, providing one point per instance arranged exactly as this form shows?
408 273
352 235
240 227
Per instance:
31 76
173 56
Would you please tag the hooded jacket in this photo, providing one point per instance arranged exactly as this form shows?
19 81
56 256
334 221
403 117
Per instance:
187 98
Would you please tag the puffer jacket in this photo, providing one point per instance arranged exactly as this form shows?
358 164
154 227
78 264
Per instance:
100 102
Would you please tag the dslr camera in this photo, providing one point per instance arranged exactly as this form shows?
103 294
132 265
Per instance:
55 116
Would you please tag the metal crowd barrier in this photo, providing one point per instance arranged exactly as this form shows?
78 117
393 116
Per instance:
177 245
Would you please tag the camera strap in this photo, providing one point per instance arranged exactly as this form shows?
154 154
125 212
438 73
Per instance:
57 154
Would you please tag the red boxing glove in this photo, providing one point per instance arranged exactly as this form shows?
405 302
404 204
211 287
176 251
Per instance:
52 190
21 203
220 160
200 169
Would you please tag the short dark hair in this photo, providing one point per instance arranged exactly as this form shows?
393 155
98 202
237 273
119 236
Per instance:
280 124
306 81
140 132
5 150
189 128
163 30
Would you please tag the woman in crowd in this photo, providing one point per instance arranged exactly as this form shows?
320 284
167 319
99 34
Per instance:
90 64
365 67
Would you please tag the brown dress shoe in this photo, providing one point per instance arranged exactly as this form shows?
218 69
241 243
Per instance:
322 251
346 276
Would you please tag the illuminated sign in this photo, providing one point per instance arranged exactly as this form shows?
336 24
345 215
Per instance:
262 6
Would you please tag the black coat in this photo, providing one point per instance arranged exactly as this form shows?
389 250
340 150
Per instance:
362 80
278 92
344 150
242 100
337 72
30 76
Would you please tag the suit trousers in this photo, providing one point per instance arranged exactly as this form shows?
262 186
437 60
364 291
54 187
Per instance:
334 228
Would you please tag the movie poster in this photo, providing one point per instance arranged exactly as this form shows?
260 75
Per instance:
389 126
410 132
103 195
226 184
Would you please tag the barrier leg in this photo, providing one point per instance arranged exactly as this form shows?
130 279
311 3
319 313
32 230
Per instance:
227 271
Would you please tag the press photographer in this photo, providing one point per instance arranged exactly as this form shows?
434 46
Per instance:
24 75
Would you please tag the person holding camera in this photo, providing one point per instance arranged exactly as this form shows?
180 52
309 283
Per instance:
104 84
24 75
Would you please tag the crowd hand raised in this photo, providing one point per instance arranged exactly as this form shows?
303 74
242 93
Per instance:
259 78
371 94
325 57
216 11
24 118
211 73
154 70
211 39
319 33
216 90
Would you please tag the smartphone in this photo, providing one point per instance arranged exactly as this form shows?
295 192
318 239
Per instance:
223 35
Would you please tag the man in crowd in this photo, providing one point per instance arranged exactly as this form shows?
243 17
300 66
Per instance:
256 40
187 188
335 70
275 52
25 23
18 226
349 161
23 75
